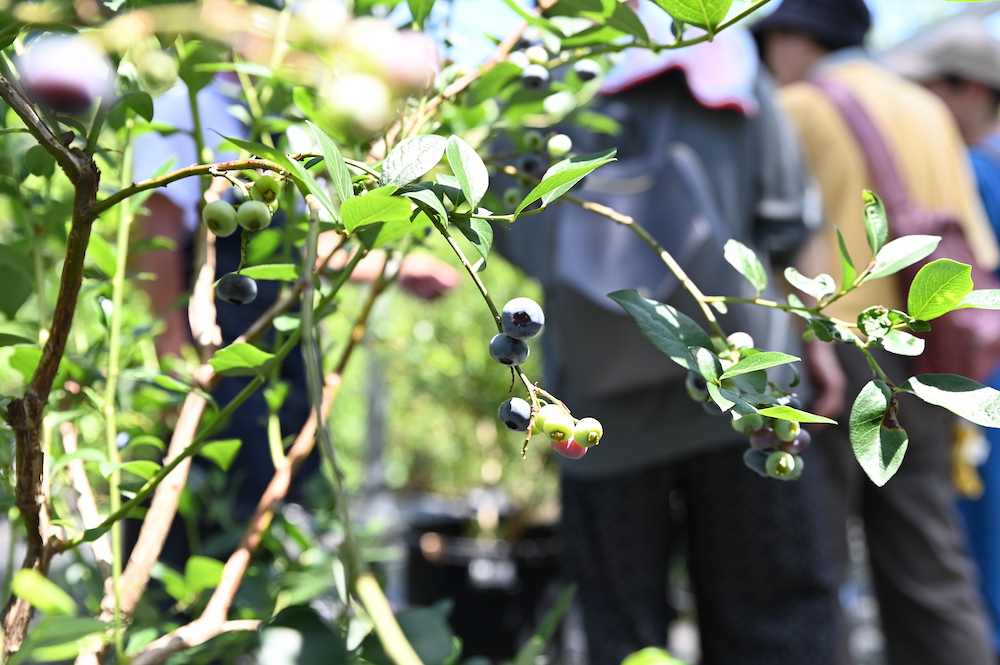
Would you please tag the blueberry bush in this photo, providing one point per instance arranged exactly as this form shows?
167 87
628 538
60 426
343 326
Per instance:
394 158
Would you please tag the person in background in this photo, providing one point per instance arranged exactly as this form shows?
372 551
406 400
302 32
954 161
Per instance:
703 149
923 579
960 63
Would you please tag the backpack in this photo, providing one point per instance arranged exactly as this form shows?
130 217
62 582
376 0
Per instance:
964 341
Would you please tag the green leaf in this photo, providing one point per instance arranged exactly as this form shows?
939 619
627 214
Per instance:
707 14
489 84
420 10
561 177
304 178
479 233
964 397
878 441
16 275
279 272
533 18
298 636
651 656
38 161
847 270
18 332
43 593
982 299
86 454
876 221
372 208
903 343
262 150
412 158
758 361
666 328
196 53
59 638
202 573
746 263
222 453
141 103
469 168
428 200
340 176
102 254
938 288
818 287
240 359
790 413
624 19
706 363
900 253
145 469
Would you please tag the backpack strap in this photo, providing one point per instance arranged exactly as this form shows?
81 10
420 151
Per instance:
881 165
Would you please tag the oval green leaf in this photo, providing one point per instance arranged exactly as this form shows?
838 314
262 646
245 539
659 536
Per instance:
879 443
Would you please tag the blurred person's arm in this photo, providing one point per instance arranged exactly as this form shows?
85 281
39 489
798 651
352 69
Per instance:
167 290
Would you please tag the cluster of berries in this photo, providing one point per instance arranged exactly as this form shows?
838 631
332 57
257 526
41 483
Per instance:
521 319
775 444
222 219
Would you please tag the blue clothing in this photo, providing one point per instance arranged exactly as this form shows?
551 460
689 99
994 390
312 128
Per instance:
982 515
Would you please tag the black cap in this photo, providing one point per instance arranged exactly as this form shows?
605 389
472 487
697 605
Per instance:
835 24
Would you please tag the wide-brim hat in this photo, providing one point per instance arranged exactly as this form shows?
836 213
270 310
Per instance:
835 24
962 48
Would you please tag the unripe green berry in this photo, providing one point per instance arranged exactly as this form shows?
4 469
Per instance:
558 146
786 430
558 426
537 54
799 467
696 387
220 218
533 140
588 432
780 464
253 215
512 197
748 424
544 412
266 189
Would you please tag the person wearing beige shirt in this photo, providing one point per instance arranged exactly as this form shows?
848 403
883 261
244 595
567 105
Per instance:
931 612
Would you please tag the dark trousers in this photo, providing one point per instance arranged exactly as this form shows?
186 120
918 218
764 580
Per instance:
757 560
930 608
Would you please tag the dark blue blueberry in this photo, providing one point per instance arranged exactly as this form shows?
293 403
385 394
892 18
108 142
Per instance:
515 414
508 351
236 288
534 77
756 460
522 318
532 165
587 69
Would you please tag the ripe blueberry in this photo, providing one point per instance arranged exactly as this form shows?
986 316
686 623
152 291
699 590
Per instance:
534 77
696 387
532 165
253 215
569 448
588 432
798 444
220 218
522 318
756 460
587 69
66 74
236 288
266 189
764 439
515 414
508 351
